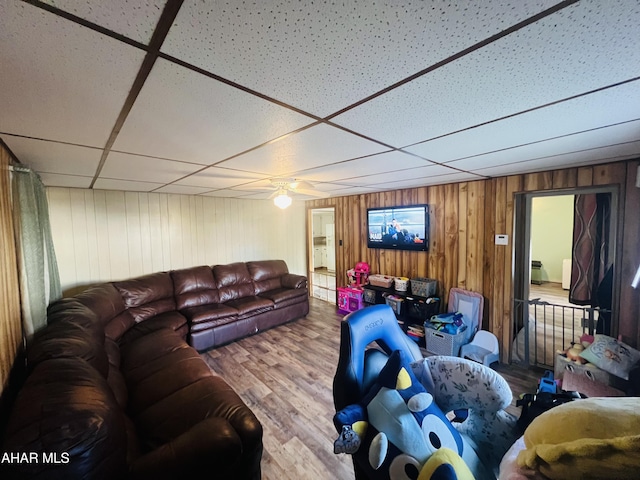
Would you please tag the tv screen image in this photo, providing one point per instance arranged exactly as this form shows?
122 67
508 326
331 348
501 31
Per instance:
403 228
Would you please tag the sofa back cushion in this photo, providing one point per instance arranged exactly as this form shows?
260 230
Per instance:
107 304
233 281
104 300
267 274
194 287
147 296
73 331
69 310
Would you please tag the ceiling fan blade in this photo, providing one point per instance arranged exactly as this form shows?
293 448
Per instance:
300 184
257 188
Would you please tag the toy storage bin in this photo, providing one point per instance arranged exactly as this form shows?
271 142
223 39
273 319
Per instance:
424 287
384 281
395 304
441 343
369 296
401 283
421 310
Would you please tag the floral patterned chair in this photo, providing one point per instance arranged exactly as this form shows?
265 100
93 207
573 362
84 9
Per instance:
459 383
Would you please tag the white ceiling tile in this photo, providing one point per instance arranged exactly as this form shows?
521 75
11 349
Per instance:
134 167
429 180
216 177
64 85
132 18
59 80
333 186
267 196
126 185
614 105
226 194
255 196
199 119
536 65
340 51
354 191
52 157
373 164
58 180
417 173
313 147
181 189
581 142
589 157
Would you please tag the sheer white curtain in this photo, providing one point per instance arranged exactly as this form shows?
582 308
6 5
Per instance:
38 269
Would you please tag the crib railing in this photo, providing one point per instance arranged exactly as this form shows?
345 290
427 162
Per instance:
541 328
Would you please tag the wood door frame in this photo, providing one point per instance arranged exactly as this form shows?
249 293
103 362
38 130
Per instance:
522 241
310 245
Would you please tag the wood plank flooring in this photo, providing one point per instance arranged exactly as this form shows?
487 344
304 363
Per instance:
285 376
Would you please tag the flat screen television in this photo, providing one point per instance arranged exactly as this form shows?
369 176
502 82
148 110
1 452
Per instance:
400 228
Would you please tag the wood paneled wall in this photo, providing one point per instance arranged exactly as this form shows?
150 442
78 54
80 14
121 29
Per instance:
465 217
10 317
104 235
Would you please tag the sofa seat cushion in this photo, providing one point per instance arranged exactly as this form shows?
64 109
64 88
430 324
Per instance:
251 305
180 407
172 321
208 397
156 366
282 295
208 313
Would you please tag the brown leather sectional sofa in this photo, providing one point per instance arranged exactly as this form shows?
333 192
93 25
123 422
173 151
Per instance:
114 390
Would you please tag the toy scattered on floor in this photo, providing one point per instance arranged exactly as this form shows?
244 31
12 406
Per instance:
547 383
574 351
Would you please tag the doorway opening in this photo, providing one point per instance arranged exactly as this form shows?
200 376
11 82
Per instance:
322 256
564 255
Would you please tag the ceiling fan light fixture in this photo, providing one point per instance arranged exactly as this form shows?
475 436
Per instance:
282 200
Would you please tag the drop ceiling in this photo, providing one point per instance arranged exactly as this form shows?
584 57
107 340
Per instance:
218 97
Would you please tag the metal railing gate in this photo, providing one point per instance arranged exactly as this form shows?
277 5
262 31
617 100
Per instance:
542 328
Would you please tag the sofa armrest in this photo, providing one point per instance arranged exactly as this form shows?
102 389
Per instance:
211 445
291 280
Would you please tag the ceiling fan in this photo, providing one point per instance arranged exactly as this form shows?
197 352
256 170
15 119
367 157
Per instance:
283 186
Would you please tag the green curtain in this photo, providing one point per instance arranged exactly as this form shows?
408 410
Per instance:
38 269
